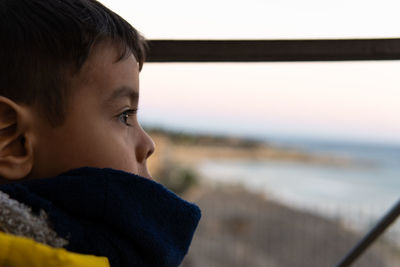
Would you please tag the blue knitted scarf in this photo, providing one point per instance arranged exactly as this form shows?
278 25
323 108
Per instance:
131 220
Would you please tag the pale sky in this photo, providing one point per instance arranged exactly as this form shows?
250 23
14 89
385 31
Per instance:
261 19
351 100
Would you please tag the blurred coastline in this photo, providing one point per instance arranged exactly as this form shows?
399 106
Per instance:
241 224
190 149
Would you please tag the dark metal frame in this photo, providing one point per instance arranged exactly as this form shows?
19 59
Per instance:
370 238
273 50
291 51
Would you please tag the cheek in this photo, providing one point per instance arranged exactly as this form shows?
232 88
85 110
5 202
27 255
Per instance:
108 149
101 148
98 143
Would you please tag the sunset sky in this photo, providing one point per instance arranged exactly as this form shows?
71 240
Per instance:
346 100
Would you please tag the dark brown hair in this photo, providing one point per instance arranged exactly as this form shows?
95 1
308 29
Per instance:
43 43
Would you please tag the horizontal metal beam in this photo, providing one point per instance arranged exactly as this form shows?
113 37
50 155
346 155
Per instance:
272 50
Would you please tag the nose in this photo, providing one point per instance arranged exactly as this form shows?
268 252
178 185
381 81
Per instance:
151 145
146 147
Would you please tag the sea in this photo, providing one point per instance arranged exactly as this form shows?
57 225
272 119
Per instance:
357 195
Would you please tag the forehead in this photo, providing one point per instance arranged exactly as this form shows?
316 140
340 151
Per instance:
104 72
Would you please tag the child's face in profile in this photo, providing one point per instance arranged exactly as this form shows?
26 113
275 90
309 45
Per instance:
101 127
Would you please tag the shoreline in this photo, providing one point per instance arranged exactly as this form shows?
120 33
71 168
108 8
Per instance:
171 149
357 215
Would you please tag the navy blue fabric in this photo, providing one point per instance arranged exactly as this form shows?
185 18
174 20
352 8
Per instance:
131 220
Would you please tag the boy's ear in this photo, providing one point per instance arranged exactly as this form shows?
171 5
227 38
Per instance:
16 153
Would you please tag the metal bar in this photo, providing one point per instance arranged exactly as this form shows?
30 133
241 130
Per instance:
375 232
272 50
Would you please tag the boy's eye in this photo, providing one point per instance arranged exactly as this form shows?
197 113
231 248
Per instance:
125 116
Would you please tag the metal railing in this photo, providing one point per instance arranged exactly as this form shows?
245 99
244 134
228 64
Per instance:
286 51
273 50
370 238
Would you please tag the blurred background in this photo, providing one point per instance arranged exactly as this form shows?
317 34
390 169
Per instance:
291 163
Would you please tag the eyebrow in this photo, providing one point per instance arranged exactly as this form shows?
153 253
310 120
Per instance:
122 92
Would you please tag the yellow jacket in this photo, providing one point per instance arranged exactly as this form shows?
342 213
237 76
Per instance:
18 251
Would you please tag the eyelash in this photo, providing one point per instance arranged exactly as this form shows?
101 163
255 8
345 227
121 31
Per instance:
123 117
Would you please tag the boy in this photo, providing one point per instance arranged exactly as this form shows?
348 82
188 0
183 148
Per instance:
72 153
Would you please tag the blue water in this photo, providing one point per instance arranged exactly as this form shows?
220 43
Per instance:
357 194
